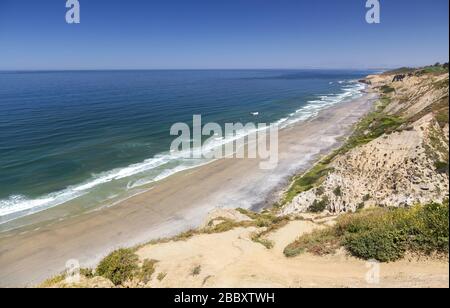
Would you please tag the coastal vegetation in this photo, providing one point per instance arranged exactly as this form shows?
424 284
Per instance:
119 266
437 68
122 265
196 270
383 234
308 180
319 206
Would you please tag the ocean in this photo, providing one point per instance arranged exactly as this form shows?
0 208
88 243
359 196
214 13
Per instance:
92 138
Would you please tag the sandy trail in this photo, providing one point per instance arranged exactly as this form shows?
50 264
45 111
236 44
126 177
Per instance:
232 260
32 254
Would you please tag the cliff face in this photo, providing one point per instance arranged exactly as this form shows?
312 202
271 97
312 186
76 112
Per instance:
398 155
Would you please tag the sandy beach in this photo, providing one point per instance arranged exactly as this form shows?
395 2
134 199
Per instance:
33 253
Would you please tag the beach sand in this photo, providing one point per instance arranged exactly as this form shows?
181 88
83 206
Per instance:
33 253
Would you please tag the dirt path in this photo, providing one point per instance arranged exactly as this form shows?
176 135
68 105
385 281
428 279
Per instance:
232 259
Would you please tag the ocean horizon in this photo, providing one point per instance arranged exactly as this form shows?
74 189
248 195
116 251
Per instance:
90 138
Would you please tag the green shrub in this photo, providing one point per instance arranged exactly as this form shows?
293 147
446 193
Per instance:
87 272
384 234
379 244
441 166
338 191
431 230
196 270
367 197
320 191
319 206
320 242
265 242
293 250
262 222
119 266
387 89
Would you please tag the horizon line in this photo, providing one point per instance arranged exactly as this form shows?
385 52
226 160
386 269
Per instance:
192 69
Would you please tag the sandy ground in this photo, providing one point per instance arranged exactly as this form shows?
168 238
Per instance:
231 259
32 254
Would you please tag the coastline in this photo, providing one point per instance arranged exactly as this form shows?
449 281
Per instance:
175 204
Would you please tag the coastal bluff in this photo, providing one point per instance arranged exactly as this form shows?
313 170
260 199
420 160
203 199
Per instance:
398 154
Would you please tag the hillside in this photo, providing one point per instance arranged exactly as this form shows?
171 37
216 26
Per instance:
398 155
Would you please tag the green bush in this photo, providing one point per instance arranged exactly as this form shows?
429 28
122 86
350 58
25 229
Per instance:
87 272
320 191
196 270
384 234
387 89
319 206
119 266
442 166
379 244
431 231
338 191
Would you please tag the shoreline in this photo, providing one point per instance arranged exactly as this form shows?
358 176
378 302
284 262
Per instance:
173 205
78 198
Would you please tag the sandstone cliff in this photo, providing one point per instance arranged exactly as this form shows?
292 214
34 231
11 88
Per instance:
398 155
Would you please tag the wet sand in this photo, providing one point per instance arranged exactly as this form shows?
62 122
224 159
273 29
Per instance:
180 202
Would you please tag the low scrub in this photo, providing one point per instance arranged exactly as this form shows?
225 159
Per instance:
320 242
147 270
119 266
309 180
387 89
275 224
196 270
384 234
319 206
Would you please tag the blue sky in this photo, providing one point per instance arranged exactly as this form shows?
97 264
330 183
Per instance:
205 34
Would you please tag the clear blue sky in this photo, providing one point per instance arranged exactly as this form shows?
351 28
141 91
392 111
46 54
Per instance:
141 34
